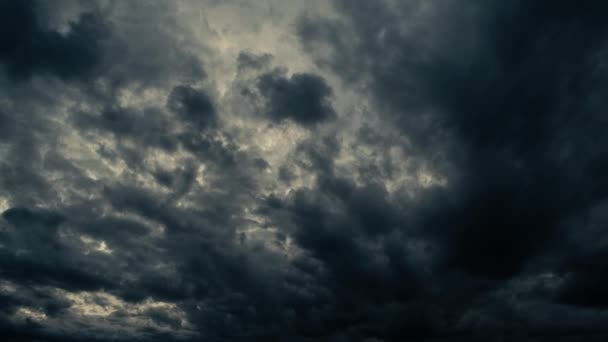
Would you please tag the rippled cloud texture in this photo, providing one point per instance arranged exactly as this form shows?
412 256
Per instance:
303 170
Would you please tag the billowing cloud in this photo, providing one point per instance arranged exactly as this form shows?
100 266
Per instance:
29 48
303 171
303 98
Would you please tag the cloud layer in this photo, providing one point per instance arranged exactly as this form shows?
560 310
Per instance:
290 171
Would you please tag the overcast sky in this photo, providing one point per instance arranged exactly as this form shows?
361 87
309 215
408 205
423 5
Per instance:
272 170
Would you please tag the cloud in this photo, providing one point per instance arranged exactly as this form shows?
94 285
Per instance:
353 170
303 98
28 47
193 106
500 96
502 113
248 60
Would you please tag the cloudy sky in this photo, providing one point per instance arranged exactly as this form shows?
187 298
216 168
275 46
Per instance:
272 170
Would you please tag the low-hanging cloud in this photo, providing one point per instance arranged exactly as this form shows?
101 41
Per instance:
343 171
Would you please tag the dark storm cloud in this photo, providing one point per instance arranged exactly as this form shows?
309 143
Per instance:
583 286
247 60
62 249
138 205
28 47
192 105
32 253
510 109
583 260
303 98
339 237
149 127
23 217
507 96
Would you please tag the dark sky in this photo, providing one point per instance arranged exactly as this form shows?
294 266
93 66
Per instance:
345 170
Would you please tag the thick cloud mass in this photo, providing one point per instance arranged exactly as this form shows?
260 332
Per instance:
303 171
302 98
28 47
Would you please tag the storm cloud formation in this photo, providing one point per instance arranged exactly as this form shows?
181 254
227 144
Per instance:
302 98
28 47
303 171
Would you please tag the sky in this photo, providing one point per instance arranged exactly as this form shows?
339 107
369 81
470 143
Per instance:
323 170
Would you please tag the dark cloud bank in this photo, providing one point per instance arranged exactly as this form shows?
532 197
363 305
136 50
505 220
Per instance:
505 100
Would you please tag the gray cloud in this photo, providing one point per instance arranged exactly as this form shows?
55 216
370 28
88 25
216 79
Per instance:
303 98
410 171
